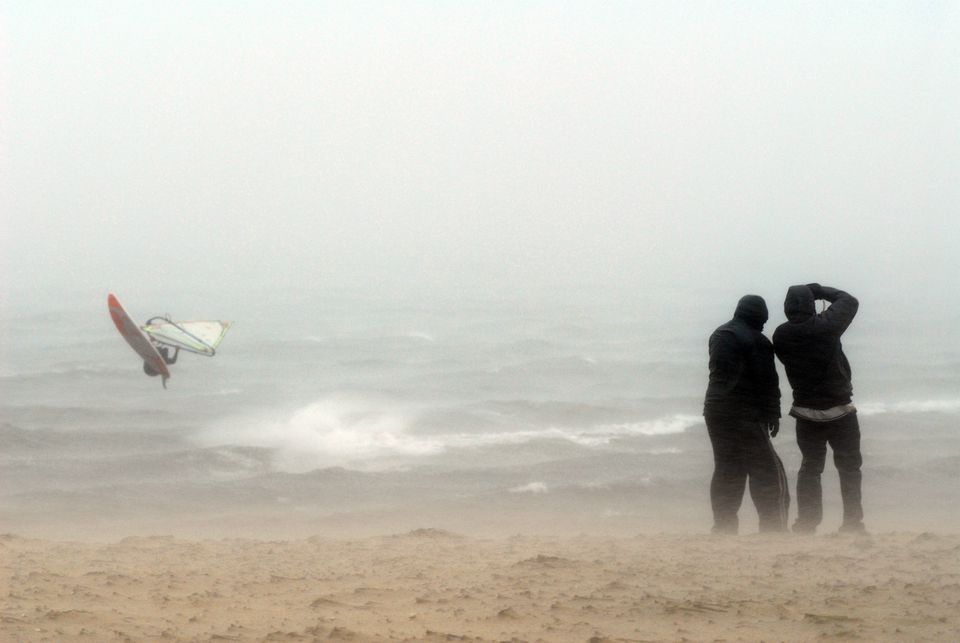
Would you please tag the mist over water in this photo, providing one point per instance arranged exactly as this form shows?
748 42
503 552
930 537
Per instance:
552 403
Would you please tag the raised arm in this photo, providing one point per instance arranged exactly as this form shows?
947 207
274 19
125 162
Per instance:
843 307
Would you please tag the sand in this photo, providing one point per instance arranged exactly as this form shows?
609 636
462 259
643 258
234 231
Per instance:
433 585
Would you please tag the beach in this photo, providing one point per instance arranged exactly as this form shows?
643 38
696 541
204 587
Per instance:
434 585
397 474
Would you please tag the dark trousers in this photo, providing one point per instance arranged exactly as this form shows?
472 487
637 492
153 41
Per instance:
742 450
843 436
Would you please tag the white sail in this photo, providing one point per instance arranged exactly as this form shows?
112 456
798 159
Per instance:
201 337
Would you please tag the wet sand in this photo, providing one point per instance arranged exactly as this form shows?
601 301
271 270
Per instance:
433 585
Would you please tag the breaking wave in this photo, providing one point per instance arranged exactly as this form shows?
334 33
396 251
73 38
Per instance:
910 406
327 433
358 433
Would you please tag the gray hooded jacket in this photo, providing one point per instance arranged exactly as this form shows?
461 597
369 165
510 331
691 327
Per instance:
809 346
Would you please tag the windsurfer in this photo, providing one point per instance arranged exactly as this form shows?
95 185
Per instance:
165 354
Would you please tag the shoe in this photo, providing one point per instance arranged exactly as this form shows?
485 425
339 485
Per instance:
724 530
853 528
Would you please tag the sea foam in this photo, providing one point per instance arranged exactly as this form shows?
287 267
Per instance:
910 406
369 434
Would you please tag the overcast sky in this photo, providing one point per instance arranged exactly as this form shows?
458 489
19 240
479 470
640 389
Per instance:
716 147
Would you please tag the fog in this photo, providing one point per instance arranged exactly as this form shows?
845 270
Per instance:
423 150
472 254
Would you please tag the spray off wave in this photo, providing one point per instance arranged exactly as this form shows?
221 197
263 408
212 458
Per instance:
359 433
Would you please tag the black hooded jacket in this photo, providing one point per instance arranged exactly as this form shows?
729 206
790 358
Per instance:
743 376
808 344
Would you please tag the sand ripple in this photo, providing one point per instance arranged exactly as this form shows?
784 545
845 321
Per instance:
430 585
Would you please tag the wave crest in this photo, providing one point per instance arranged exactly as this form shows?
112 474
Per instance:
360 433
910 406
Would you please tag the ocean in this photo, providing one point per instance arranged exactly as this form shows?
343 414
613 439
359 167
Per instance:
333 413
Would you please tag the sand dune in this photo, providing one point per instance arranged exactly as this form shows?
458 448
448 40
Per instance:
432 585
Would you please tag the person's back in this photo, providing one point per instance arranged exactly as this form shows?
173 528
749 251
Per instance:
809 346
743 379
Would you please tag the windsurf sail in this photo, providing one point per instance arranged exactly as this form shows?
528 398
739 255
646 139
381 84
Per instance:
200 337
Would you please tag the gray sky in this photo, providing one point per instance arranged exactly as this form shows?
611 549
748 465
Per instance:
510 146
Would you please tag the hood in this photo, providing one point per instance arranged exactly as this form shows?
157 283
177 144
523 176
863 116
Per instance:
752 310
799 304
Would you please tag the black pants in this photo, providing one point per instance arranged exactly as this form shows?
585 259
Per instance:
742 450
843 436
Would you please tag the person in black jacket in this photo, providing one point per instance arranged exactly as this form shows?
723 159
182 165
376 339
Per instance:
742 412
808 344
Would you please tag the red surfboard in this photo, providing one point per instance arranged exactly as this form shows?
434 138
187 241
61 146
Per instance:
135 337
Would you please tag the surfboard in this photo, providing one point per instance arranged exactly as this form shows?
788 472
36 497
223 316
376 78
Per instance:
135 337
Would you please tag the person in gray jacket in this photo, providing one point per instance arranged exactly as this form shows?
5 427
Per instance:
809 347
